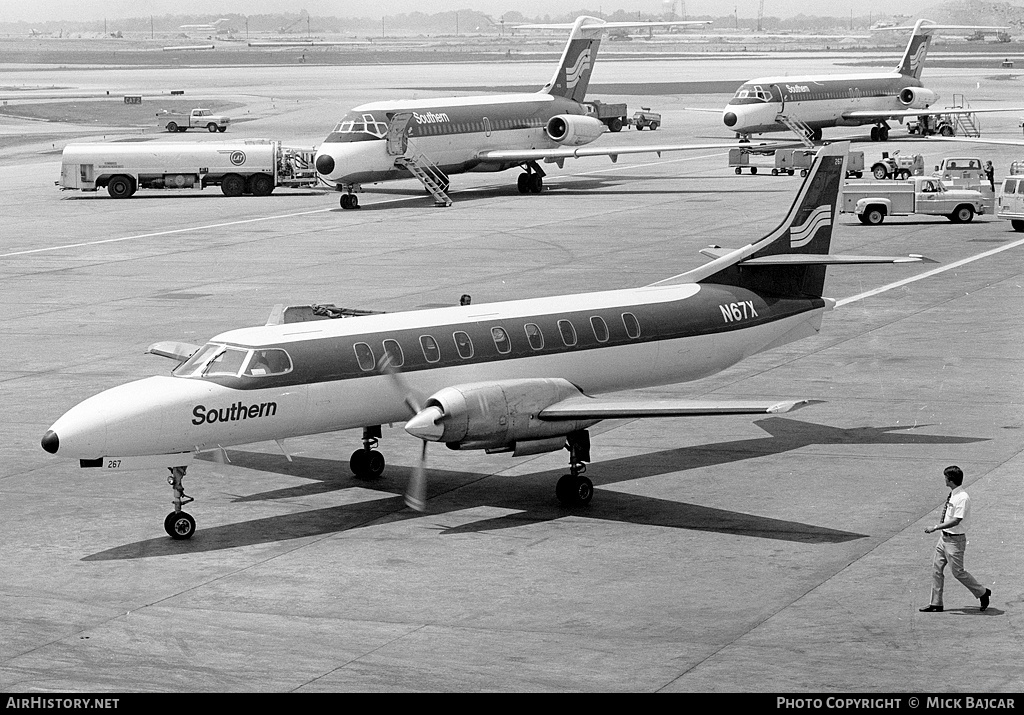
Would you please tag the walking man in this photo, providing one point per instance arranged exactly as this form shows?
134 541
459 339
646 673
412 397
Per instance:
956 516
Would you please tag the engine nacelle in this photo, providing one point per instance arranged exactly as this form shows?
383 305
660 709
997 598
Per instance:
917 97
501 415
574 129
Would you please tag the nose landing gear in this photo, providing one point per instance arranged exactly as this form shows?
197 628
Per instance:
178 524
573 489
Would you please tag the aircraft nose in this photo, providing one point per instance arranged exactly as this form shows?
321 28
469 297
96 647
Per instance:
325 164
729 119
50 442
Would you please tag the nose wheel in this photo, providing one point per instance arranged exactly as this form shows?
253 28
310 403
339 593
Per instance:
368 463
179 524
574 489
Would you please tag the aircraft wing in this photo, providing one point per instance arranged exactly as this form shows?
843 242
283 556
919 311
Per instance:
562 153
595 24
911 113
589 408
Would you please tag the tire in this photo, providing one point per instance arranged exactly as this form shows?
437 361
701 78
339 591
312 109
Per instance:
946 131
211 127
739 170
536 183
222 129
172 126
1017 224
880 172
874 216
232 185
753 170
775 172
120 187
179 525
523 183
615 124
261 185
962 214
654 126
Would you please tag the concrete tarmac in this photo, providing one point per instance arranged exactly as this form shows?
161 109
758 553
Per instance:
738 554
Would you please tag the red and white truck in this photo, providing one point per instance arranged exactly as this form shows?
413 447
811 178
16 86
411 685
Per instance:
251 166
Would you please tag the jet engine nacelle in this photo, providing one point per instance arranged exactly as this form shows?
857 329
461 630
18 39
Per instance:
502 415
917 97
574 129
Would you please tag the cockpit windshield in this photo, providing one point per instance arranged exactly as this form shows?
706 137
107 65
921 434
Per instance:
217 360
362 124
752 93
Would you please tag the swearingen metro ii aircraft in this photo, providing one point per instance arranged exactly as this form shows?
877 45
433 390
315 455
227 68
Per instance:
432 139
517 376
807 104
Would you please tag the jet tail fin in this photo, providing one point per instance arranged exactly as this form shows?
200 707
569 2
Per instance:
572 77
913 58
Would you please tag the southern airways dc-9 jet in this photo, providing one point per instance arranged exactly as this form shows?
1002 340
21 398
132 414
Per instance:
432 139
805 104
520 376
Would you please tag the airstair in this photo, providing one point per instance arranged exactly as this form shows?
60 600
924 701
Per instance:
968 125
799 128
433 180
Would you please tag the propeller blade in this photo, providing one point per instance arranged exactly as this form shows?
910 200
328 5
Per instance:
412 400
416 492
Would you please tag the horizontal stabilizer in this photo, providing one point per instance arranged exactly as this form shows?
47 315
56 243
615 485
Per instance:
172 349
812 259
590 408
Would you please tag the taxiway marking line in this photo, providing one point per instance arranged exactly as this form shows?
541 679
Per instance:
929 274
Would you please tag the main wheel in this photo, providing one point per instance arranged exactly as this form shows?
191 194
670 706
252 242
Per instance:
574 490
536 183
211 127
349 201
523 183
121 187
179 525
962 214
261 185
1017 224
232 185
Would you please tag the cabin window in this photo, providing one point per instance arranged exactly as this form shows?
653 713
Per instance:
364 356
629 321
501 341
463 344
534 335
568 332
268 362
431 353
226 362
394 354
600 328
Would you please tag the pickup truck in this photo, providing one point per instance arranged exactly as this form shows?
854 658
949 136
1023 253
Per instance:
872 201
198 118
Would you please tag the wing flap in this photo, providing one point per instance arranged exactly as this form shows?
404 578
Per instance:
497 155
589 408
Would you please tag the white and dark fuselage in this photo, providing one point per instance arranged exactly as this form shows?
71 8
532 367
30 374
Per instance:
326 373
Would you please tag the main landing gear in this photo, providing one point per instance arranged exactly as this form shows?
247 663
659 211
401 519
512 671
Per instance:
349 201
367 463
574 489
178 524
880 133
532 181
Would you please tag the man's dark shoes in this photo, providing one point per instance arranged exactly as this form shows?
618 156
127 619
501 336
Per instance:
984 599
934 609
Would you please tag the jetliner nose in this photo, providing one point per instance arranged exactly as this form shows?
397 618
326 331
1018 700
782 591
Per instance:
426 424
325 164
729 119
50 442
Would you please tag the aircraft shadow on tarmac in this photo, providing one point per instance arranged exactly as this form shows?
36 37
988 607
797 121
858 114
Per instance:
531 495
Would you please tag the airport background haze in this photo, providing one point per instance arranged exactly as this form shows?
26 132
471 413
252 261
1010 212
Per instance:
44 10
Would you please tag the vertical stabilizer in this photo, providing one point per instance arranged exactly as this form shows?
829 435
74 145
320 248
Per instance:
917 50
572 77
805 231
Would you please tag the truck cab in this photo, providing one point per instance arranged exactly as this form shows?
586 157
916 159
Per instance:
962 171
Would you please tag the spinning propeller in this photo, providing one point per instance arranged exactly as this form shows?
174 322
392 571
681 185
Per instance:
416 491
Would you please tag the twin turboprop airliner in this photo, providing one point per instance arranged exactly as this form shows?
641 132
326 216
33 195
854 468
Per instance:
520 376
432 139
807 104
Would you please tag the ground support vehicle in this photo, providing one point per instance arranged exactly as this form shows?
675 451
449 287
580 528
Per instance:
928 124
198 118
897 166
252 166
613 115
962 171
646 118
788 161
1010 204
872 201
739 159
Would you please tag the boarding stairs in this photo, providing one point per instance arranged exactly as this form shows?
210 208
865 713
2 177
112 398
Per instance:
432 178
967 125
797 127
